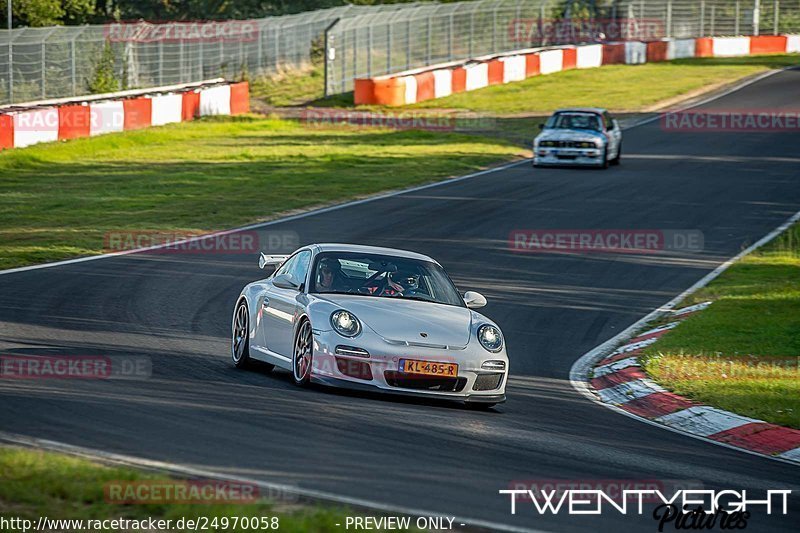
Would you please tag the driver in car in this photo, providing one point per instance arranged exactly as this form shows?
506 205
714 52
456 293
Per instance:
329 275
401 283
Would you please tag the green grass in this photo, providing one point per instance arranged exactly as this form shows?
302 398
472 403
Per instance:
629 88
35 483
743 352
290 88
58 200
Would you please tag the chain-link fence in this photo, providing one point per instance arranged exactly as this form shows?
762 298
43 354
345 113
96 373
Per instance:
372 44
61 61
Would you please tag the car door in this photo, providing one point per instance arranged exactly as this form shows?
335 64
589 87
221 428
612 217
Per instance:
280 311
614 134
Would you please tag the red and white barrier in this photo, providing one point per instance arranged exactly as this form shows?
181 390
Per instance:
35 126
445 79
551 61
68 119
590 56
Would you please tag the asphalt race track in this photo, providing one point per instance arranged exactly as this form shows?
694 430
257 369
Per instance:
198 410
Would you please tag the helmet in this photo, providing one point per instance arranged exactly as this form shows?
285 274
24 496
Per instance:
331 264
408 281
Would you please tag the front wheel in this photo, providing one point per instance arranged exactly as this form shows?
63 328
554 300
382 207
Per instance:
240 336
604 163
303 354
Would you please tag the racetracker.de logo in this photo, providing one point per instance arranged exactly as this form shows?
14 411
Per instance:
197 32
535 30
400 120
74 367
731 121
642 241
203 491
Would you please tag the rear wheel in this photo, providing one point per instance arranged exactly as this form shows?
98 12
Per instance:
303 354
240 336
617 159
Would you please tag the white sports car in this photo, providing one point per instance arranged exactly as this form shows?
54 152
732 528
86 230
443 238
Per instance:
580 136
370 318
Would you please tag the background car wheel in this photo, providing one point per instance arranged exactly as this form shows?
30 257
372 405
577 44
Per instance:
618 157
240 336
604 164
303 354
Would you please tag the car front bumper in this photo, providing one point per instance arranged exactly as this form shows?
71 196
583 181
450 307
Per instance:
381 370
571 156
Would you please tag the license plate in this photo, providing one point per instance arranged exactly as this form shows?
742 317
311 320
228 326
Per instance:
428 368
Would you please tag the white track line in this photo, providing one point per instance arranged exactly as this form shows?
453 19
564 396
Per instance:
181 470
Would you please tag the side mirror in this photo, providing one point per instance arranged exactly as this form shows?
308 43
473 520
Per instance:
541 126
284 281
474 300
275 261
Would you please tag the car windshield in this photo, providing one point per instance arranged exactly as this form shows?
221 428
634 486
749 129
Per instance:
574 121
382 276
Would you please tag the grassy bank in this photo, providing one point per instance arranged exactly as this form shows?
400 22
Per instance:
35 484
58 200
742 353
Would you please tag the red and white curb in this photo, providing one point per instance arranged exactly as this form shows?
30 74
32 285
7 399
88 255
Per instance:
619 380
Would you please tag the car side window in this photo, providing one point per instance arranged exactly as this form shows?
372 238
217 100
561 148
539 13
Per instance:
299 270
287 266
609 121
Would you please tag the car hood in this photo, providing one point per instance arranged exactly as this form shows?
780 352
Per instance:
570 135
401 321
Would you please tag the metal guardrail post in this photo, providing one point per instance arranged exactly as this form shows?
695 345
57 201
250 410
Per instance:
73 67
669 18
736 25
702 18
44 70
389 45
756 17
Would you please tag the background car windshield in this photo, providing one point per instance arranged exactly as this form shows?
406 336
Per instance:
574 121
383 276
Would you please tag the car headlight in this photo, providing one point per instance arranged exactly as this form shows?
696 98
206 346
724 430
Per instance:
345 323
490 338
546 143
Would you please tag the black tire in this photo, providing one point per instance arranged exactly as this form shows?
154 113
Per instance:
303 355
618 159
604 164
240 336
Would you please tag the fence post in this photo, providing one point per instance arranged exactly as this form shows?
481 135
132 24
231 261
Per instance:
428 43
450 39
669 18
777 8
44 57
389 44
180 62
736 26
713 18
471 31
330 56
702 18
494 28
408 43
756 16
73 67
369 51
161 62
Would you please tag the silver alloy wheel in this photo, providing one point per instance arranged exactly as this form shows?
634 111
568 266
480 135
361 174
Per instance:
303 352
239 336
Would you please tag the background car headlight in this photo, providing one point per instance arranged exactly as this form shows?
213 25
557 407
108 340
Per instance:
490 337
345 323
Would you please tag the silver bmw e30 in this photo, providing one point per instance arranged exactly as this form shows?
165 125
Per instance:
370 318
579 136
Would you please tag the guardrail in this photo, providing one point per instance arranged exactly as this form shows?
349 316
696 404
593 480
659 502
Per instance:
48 121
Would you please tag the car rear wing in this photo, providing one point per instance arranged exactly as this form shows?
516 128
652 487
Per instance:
265 260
